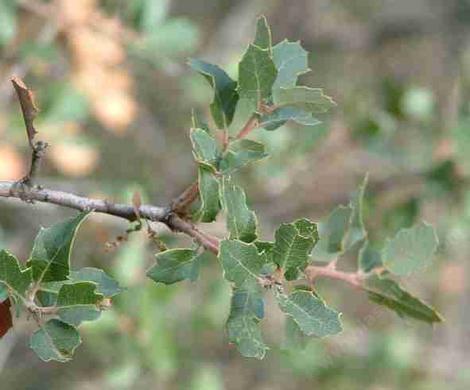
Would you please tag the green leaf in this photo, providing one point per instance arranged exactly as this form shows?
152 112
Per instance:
243 112
50 257
387 292
256 75
225 92
332 233
263 34
309 99
310 313
241 262
281 115
55 340
240 153
11 274
209 194
174 265
204 148
410 250
369 258
78 302
241 221
291 61
246 310
357 231
293 244
105 285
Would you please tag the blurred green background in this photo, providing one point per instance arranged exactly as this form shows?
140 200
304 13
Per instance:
115 98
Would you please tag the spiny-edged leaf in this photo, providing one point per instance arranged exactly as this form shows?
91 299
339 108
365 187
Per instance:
292 246
78 302
50 257
241 261
310 313
246 310
240 153
263 34
256 75
105 284
12 275
369 258
357 232
332 233
225 91
291 60
204 147
410 250
209 194
55 340
282 115
309 99
174 265
241 221
387 292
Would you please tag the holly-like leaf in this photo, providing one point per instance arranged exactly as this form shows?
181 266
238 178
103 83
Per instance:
240 153
105 284
246 310
225 92
410 250
282 115
310 313
78 302
50 257
256 75
241 221
369 258
263 34
291 61
174 265
387 292
241 261
204 148
356 231
309 99
11 274
55 340
209 194
332 233
293 244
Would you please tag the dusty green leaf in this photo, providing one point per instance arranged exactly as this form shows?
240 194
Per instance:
55 340
356 231
174 265
241 221
240 153
106 285
369 258
246 310
78 302
310 313
332 232
308 99
50 257
11 274
263 34
387 292
209 194
225 92
240 261
282 115
291 61
410 250
293 244
256 75
204 148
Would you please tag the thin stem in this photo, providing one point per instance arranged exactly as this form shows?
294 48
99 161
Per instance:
312 272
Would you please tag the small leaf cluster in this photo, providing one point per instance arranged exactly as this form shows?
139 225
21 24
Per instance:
58 298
